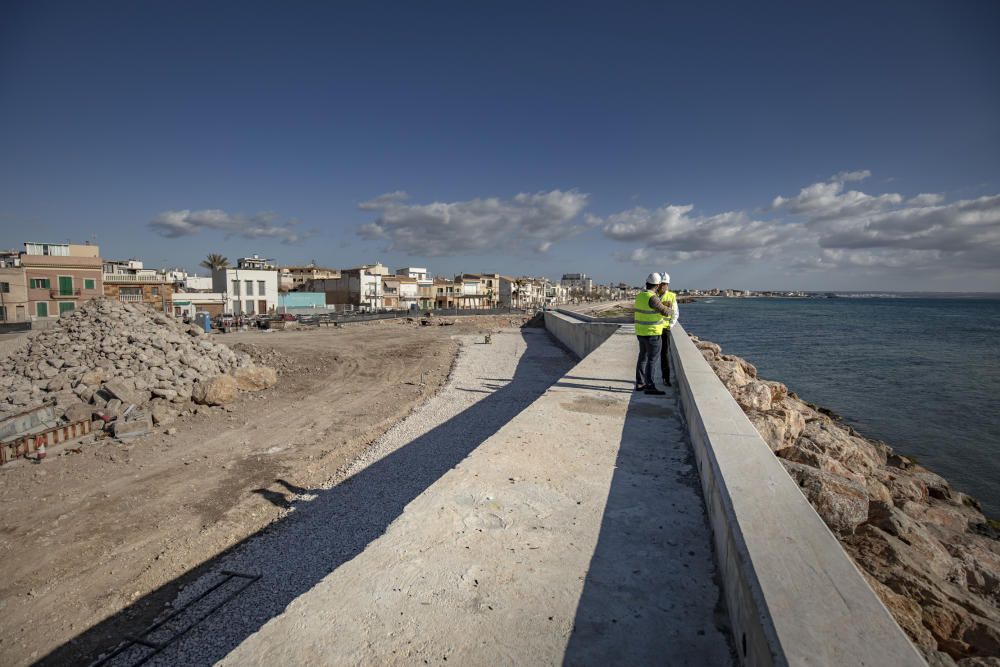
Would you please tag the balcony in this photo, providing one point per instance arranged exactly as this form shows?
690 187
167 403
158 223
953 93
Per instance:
128 278
130 298
64 294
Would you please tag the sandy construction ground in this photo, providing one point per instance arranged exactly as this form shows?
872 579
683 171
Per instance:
115 526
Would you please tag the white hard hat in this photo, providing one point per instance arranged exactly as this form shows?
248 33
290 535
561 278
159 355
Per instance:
653 279
665 277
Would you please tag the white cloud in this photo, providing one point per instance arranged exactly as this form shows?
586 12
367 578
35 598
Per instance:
828 201
674 233
475 226
925 199
824 227
174 224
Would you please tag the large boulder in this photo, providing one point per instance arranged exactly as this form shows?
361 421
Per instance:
842 503
754 395
856 454
217 390
255 378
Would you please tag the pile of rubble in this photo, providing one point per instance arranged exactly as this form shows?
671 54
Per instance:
925 548
123 363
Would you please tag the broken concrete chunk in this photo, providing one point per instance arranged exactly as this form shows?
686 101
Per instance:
78 412
132 429
163 415
118 390
168 394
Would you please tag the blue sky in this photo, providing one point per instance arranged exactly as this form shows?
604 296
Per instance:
795 145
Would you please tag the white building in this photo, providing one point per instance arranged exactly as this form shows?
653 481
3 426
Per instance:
189 282
423 296
251 288
577 284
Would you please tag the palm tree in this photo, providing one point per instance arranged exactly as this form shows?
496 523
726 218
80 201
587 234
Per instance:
518 293
215 261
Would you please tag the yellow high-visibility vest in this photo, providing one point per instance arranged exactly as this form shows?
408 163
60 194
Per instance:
648 322
669 300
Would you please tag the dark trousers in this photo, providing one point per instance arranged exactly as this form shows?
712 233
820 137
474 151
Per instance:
665 356
649 351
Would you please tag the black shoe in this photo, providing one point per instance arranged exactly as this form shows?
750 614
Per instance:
653 391
641 387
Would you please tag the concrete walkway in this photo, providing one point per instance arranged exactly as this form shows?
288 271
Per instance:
574 534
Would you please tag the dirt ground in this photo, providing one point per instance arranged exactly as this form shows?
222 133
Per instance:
89 532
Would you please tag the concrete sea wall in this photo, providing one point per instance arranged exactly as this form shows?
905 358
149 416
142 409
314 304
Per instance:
794 597
580 334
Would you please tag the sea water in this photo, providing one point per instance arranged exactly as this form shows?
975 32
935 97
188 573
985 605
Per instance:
919 371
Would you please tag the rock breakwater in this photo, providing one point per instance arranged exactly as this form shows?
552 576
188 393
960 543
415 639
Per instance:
924 547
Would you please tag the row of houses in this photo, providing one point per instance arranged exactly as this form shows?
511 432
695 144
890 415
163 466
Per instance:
48 279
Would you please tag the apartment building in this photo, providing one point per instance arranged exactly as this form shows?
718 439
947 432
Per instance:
298 278
251 288
13 289
445 293
577 284
189 282
478 290
129 281
424 292
361 287
57 277
523 292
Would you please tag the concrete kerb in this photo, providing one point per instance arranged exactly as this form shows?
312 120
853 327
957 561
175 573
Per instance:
793 594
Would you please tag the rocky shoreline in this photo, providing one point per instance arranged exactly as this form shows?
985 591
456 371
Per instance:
926 549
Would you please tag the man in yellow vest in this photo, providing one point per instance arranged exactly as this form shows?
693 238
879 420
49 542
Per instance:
650 318
668 299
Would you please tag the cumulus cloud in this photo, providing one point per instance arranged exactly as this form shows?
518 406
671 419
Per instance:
174 224
824 226
677 234
828 201
925 199
476 226
967 231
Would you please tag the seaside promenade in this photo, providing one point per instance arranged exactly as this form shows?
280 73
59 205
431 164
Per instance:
536 511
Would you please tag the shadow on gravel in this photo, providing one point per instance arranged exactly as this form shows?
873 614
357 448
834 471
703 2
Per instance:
295 553
649 597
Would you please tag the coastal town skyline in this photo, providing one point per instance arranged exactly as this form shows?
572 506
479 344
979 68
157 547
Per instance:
522 140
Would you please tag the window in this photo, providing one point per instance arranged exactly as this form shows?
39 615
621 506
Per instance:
155 291
65 285
249 285
236 287
42 309
40 283
130 291
5 288
260 288
88 283
3 313
66 306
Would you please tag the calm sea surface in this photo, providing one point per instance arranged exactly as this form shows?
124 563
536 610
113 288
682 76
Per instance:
921 373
